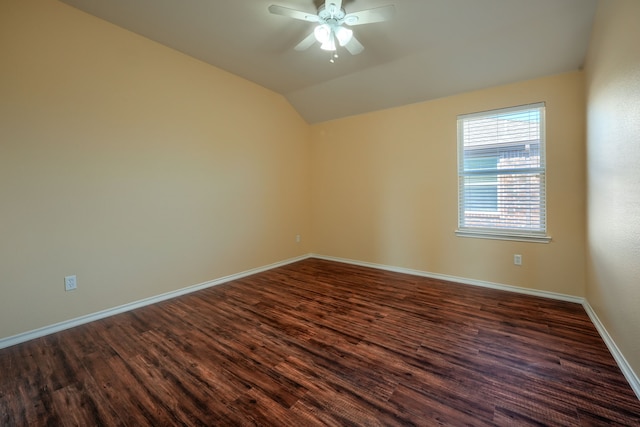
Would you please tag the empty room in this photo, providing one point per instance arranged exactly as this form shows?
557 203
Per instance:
299 212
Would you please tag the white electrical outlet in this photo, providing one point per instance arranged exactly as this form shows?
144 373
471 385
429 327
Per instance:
70 283
517 259
298 239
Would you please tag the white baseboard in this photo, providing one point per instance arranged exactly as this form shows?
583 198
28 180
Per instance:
624 366
628 373
463 280
67 324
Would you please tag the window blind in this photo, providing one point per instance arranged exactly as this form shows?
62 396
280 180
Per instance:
501 171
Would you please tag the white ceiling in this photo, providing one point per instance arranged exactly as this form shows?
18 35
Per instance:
430 49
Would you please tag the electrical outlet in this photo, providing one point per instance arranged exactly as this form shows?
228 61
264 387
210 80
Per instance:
517 259
298 238
70 283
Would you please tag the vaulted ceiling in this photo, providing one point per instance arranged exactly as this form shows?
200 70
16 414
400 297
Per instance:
430 49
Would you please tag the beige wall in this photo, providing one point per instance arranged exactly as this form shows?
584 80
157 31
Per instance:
613 150
384 189
134 167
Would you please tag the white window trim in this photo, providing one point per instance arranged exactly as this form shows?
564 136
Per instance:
496 234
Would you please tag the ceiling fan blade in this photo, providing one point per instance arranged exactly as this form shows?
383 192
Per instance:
292 13
369 16
306 43
354 46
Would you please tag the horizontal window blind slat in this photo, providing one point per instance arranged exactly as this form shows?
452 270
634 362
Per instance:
503 172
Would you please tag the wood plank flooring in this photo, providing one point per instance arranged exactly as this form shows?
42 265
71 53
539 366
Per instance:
324 343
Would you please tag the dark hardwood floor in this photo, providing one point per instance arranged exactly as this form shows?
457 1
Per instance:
324 343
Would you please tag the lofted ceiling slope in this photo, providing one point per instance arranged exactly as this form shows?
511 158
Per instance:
430 49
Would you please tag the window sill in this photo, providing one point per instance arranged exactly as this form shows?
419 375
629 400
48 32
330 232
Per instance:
503 236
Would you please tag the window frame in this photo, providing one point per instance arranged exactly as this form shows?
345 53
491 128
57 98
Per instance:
516 234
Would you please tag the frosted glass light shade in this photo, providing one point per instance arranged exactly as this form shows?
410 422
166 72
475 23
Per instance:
322 33
329 44
343 35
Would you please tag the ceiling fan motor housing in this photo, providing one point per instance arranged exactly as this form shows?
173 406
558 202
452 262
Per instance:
331 11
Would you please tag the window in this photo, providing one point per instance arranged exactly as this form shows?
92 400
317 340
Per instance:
501 174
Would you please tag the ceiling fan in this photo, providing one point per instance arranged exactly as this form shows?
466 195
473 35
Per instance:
331 19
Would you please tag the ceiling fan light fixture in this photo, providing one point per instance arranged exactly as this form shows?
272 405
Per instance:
344 35
327 34
322 33
329 44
